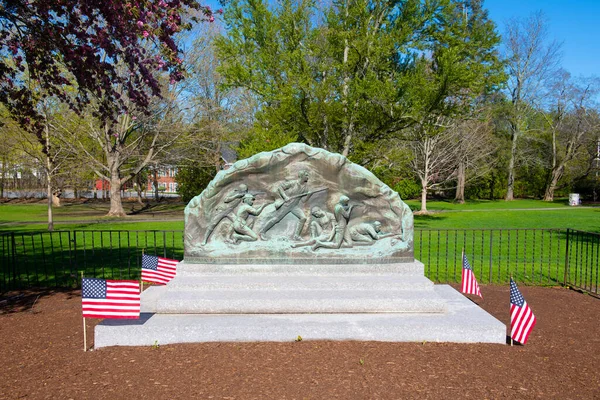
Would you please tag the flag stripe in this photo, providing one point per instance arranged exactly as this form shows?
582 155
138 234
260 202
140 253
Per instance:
522 319
110 298
116 316
158 269
469 283
158 273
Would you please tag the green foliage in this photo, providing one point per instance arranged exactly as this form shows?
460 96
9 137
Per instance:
407 189
192 180
350 72
490 186
259 140
390 163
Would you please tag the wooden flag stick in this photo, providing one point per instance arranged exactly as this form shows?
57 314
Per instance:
84 336
141 281
84 324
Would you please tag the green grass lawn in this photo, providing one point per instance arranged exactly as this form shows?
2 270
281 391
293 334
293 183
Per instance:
499 214
437 205
92 215
587 219
497 237
480 214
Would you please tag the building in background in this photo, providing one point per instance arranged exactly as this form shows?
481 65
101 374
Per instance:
164 177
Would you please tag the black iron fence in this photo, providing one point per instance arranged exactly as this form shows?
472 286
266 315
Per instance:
531 256
581 260
56 259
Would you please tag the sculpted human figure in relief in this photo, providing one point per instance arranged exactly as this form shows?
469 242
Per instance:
342 211
292 192
322 227
367 233
230 202
243 231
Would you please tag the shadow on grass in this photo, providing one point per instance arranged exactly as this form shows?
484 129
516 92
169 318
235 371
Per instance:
426 220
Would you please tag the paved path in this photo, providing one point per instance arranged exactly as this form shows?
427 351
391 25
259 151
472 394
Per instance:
517 209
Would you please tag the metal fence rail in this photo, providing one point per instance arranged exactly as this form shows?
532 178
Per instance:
55 259
581 260
531 256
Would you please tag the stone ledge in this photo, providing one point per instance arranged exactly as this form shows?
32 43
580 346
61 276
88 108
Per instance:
299 301
280 282
464 322
186 268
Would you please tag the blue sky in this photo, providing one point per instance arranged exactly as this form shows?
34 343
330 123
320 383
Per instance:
575 23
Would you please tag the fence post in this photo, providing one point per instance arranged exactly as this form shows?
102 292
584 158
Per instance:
14 260
491 251
75 254
566 259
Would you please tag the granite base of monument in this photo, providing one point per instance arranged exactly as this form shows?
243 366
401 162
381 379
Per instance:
377 302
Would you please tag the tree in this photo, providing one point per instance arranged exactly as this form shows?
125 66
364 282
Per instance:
571 120
94 47
192 180
446 87
474 154
530 62
8 147
434 146
357 71
118 151
218 116
49 155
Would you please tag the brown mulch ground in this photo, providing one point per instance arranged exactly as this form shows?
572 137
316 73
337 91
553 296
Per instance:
42 358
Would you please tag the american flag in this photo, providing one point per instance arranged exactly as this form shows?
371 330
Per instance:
110 299
469 282
158 269
522 319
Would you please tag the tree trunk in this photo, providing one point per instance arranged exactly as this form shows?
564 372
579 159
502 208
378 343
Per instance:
347 134
139 189
460 183
424 198
348 140
511 167
3 177
116 205
49 179
49 194
555 175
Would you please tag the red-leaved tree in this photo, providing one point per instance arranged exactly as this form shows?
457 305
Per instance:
49 47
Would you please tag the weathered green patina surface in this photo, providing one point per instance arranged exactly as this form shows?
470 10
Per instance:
297 204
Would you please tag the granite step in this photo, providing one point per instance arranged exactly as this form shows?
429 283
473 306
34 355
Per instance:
414 268
464 322
256 301
302 282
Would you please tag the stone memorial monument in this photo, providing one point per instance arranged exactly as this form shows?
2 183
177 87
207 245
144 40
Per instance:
280 192
300 242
